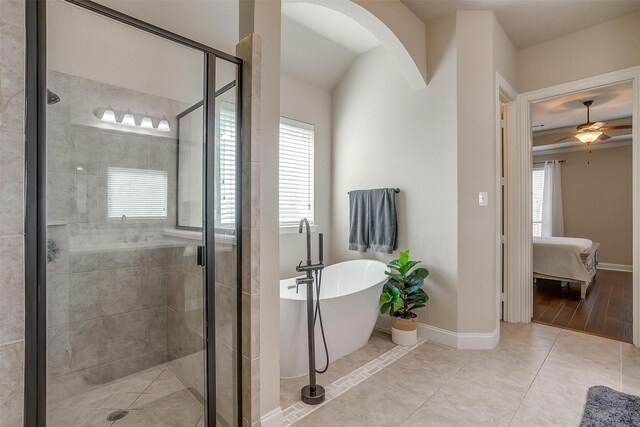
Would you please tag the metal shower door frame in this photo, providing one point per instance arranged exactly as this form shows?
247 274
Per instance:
35 386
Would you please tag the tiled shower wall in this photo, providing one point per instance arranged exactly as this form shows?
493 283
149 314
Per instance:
107 287
12 49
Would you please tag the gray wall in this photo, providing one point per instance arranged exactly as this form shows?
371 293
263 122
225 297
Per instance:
597 200
12 51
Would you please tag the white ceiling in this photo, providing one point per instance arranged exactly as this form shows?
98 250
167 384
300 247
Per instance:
609 102
529 22
333 25
311 57
214 23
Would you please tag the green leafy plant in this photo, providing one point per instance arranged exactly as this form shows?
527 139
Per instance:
53 251
402 293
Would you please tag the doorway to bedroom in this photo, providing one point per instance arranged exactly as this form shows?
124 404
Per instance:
582 211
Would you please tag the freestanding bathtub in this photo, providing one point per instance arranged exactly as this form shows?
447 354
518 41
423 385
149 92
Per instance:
349 303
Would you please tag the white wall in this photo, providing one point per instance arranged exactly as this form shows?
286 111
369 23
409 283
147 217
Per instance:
438 146
608 46
309 104
482 49
386 135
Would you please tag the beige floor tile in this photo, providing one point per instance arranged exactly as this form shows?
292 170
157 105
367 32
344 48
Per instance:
630 361
551 403
498 374
404 372
522 331
445 359
463 401
334 415
98 418
95 398
182 399
135 385
381 404
67 417
630 385
285 402
121 400
160 417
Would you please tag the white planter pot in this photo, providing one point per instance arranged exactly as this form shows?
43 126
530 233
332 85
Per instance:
404 331
404 337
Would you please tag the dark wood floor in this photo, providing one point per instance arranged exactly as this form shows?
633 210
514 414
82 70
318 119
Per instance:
606 311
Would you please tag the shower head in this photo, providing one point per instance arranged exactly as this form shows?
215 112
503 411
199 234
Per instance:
52 98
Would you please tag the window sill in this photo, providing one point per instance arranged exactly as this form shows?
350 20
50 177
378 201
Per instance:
293 229
225 239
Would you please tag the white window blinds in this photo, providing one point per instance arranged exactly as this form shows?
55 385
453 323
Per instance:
227 169
537 189
136 193
296 172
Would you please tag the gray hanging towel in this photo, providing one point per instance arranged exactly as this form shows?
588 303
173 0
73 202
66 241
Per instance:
359 220
373 220
383 225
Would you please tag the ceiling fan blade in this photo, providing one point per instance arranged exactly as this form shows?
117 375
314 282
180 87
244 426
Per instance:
584 125
617 127
597 125
566 138
603 137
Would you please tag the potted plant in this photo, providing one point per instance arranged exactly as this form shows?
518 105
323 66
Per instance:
401 295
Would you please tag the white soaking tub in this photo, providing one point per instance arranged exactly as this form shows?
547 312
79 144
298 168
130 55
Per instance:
349 302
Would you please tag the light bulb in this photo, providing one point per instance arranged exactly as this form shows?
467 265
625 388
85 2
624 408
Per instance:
163 126
588 137
128 119
146 123
108 116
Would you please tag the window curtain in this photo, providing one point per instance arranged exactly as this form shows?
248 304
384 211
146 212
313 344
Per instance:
552 222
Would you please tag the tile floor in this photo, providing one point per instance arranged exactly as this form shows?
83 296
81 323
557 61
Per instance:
537 376
153 398
379 343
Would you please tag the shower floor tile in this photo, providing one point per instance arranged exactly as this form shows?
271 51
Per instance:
153 398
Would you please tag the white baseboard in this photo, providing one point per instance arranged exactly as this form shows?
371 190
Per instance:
615 267
459 340
272 419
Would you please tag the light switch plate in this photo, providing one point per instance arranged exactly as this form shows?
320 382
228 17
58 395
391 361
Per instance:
483 198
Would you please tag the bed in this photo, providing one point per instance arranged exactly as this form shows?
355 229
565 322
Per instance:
565 259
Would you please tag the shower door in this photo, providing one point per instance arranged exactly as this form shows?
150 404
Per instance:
141 319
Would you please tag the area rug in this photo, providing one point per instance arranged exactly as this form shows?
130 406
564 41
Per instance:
608 407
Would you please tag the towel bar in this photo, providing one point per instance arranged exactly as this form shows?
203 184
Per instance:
397 190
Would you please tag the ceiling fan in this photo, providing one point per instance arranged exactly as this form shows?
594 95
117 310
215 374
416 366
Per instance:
589 131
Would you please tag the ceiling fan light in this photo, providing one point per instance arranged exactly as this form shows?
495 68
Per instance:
588 137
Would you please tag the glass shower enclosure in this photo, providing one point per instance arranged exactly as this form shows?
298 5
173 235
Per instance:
140 321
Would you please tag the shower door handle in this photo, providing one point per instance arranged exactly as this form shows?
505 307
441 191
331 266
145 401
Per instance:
201 255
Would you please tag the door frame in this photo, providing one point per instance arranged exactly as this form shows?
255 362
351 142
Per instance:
505 94
520 217
35 385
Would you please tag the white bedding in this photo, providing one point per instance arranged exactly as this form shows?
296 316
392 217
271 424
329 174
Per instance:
559 257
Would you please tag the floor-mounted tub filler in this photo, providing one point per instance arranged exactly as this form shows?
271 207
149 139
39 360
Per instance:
349 299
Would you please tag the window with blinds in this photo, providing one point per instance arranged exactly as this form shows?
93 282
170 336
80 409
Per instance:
296 172
136 193
537 189
226 209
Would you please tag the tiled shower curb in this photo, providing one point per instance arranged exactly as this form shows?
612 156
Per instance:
299 410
